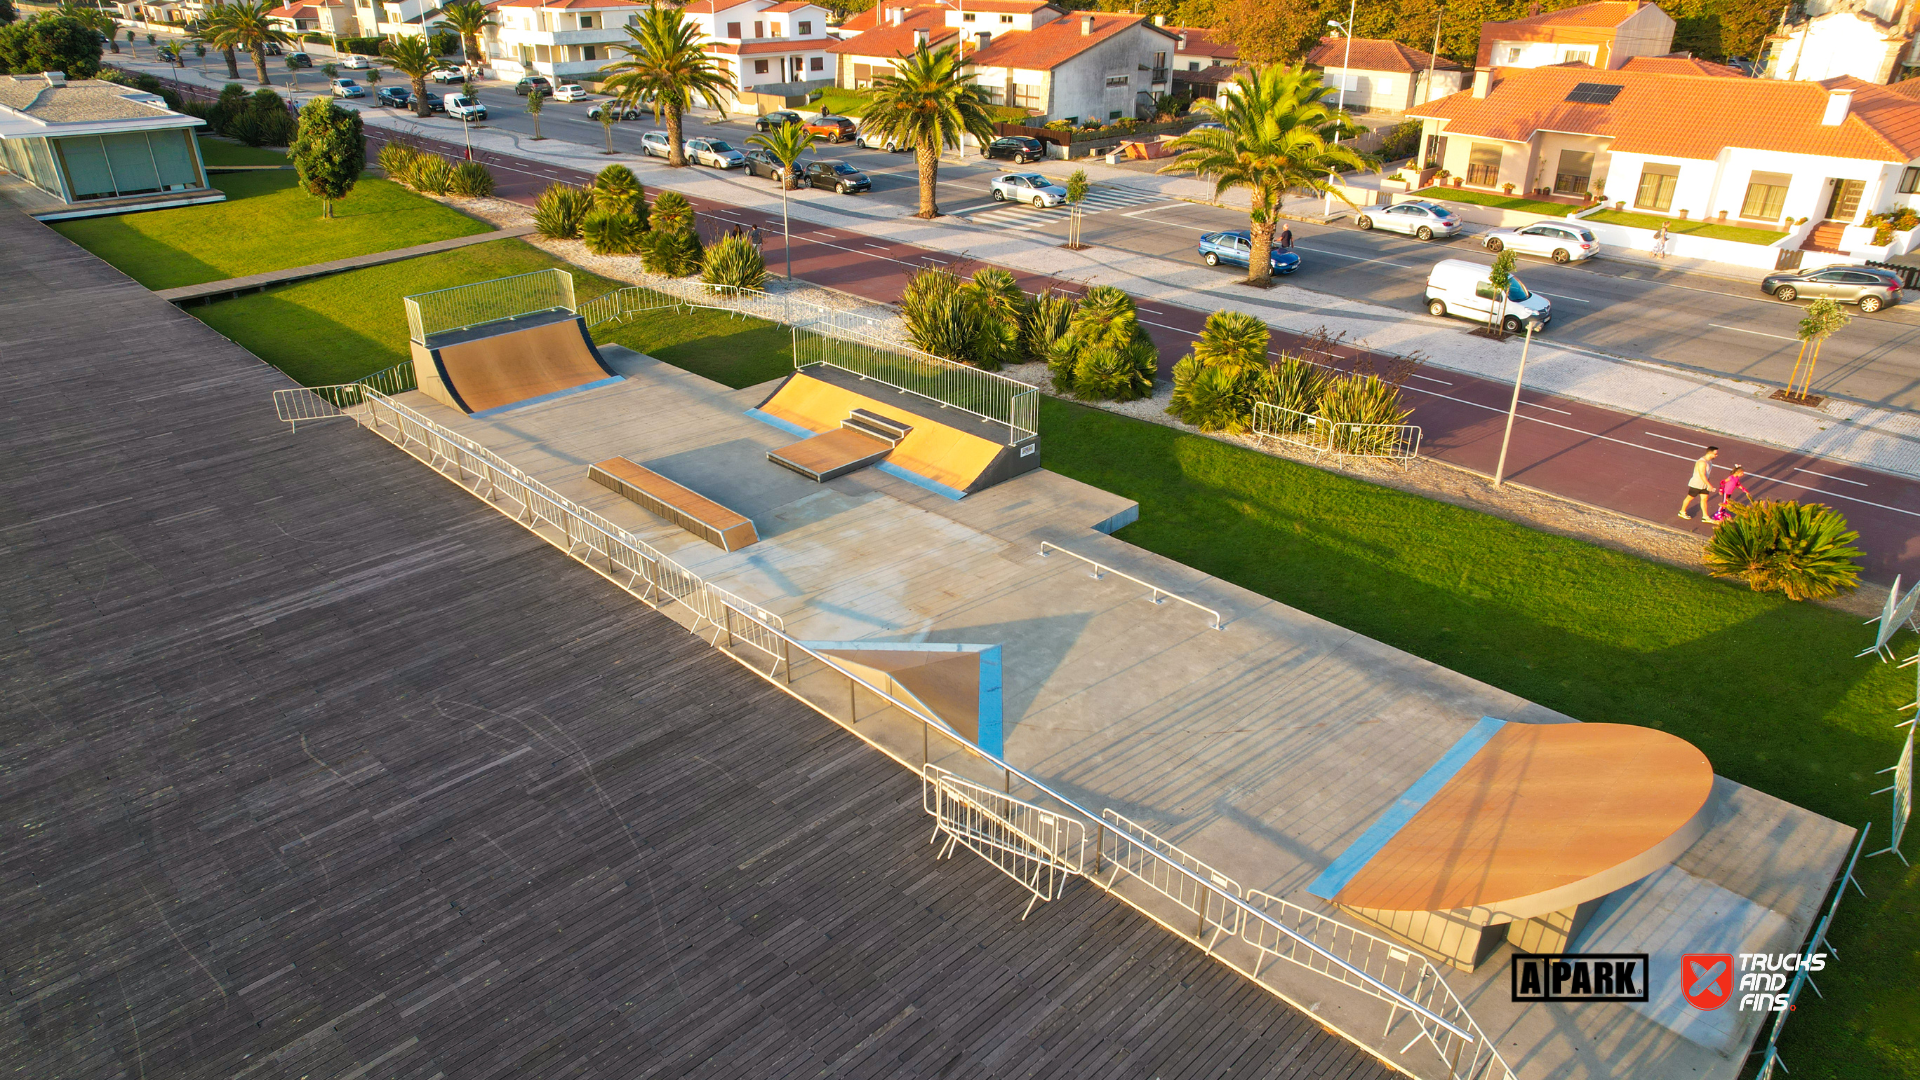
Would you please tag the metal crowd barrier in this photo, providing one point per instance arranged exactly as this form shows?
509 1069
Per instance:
1394 442
462 306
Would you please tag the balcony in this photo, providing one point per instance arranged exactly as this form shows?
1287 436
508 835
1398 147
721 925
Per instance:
599 35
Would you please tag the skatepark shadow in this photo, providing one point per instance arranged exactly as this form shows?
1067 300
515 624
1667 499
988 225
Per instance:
736 474
1031 650
312 348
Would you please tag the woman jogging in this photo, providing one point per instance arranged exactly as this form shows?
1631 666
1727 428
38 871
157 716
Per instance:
1727 487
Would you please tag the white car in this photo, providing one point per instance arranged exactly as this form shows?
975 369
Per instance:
346 88
888 143
656 144
448 74
355 63
464 108
570 92
1424 220
715 153
1028 188
1561 243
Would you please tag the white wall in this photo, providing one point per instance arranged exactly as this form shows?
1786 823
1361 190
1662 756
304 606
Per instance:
1828 47
1079 85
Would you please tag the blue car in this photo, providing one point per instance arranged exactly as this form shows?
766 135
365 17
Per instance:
1236 248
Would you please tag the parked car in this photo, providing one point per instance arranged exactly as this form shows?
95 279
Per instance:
448 73
1870 287
300 60
1028 188
763 163
833 129
355 62
532 81
1561 243
714 153
1019 149
1463 288
1207 126
465 108
1424 220
1236 249
656 144
167 53
570 92
394 97
837 175
620 112
435 103
777 119
890 143
346 88
273 48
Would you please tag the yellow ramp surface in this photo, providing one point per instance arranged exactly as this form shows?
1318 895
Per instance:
934 450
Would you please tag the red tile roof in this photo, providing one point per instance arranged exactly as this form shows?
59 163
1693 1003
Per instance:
1688 116
1049 45
1374 54
777 46
1908 88
1608 14
708 7
589 5
791 5
1680 65
1201 42
862 21
898 40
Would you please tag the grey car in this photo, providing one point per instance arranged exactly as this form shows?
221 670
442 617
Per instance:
1871 288
1423 220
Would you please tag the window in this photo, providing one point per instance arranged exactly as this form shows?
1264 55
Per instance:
1006 18
1580 56
759 29
1513 54
967 17
1576 171
588 52
1910 181
586 23
1382 85
1028 97
1436 150
1116 80
818 63
1656 187
1194 65
1114 115
1483 164
806 28
1766 196
759 67
733 29
776 29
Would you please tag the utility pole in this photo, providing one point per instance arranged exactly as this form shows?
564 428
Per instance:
1500 470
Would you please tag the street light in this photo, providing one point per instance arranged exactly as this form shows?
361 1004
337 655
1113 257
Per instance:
1500 470
1346 73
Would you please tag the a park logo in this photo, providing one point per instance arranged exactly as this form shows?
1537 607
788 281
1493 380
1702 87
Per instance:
1706 979
1580 977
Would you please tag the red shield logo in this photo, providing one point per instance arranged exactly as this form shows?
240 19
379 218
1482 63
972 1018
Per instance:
1706 979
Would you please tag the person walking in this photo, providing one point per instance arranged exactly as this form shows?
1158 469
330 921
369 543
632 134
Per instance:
1286 238
756 236
1700 485
1726 488
1660 242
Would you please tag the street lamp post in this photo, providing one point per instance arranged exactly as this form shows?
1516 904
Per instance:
1345 74
1500 470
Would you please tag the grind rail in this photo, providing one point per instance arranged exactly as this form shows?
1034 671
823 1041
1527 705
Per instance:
1009 832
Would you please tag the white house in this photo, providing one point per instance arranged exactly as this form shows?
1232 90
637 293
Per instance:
1370 74
1197 48
92 146
1602 35
561 39
762 44
1851 40
325 18
388 18
858 59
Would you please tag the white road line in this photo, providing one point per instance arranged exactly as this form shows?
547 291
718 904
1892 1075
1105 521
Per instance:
1355 258
1430 378
882 247
1557 296
1157 209
1756 333
981 206
1669 438
1829 476
1549 408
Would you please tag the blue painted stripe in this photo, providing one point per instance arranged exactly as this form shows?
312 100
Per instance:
543 398
789 427
992 713
1358 854
934 486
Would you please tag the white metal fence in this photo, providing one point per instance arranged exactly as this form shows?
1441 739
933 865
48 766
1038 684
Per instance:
833 338
462 306
1037 847
1393 442
1206 893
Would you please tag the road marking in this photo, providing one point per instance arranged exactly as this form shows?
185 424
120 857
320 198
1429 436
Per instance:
1669 438
979 206
1549 408
882 247
1829 476
1756 333
1557 296
1355 258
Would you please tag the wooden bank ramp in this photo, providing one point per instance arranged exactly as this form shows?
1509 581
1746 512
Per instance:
725 529
486 369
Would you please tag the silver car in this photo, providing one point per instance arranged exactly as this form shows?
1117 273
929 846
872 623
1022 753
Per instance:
715 153
1028 188
1549 239
1424 220
890 143
656 144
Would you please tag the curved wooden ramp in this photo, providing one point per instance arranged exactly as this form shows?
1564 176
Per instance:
486 369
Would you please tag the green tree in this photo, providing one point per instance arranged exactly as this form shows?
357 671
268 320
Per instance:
1822 320
469 19
50 43
928 103
374 75
1077 187
535 101
1275 137
329 152
243 25
1500 276
666 61
786 143
608 113
411 56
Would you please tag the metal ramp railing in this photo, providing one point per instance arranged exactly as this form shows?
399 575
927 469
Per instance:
1034 846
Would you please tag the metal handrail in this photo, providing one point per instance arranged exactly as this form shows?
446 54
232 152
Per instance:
1158 592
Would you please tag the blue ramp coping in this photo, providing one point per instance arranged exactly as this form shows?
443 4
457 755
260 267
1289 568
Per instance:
544 398
1359 853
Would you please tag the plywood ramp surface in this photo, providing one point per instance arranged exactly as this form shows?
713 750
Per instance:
827 456
936 451
491 372
735 530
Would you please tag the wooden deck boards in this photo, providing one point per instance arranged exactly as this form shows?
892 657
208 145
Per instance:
319 767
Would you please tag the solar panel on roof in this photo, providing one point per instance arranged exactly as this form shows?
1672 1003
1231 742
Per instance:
1593 93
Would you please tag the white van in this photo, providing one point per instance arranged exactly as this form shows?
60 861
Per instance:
1459 287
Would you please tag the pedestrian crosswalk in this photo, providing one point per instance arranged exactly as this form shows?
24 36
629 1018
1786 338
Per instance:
1020 217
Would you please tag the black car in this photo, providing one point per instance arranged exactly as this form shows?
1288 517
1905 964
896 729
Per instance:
763 163
837 175
776 120
300 59
435 103
531 81
394 97
1019 148
273 48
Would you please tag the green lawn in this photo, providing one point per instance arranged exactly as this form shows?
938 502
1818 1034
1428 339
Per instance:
733 351
1692 228
218 152
267 223
1502 202
1768 689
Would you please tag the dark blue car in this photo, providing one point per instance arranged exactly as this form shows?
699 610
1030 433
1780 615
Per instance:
1236 248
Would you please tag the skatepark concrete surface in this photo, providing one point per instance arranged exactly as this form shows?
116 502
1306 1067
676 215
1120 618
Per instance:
1263 749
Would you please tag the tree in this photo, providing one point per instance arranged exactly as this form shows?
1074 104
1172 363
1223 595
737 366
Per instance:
205 33
1822 320
293 72
667 62
200 51
1077 187
469 19
50 43
928 103
786 143
411 56
1271 32
373 81
534 100
243 25
1274 138
1501 278
608 113
329 152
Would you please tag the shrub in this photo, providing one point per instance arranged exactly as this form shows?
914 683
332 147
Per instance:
1364 401
1106 354
1803 551
676 254
396 160
1294 384
1001 304
559 210
263 120
1401 142
617 190
1045 322
471 180
1214 387
1883 234
444 42
671 213
733 260
973 322
432 174
610 232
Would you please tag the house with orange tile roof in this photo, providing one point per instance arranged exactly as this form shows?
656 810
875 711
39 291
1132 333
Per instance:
1197 48
1681 64
325 18
1603 35
1758 152
767 46
564 40
1374 75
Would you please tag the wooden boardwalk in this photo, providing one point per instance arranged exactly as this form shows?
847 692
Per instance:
317 767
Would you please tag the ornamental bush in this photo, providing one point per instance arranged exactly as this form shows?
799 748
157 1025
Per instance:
431 174
396 160
610 232
471 180
735 261
559 211
1106 354
1804 551
1214 387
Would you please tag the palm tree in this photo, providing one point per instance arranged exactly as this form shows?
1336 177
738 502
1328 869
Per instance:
667 61
535 100
928 103
469 19
243 24
206 33
786 143
411 56
1277 136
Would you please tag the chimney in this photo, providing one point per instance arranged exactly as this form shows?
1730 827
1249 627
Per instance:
1482 81
982 40
1839 104
893 15
56 78
1086 24
920 38
1183 41
1159 20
